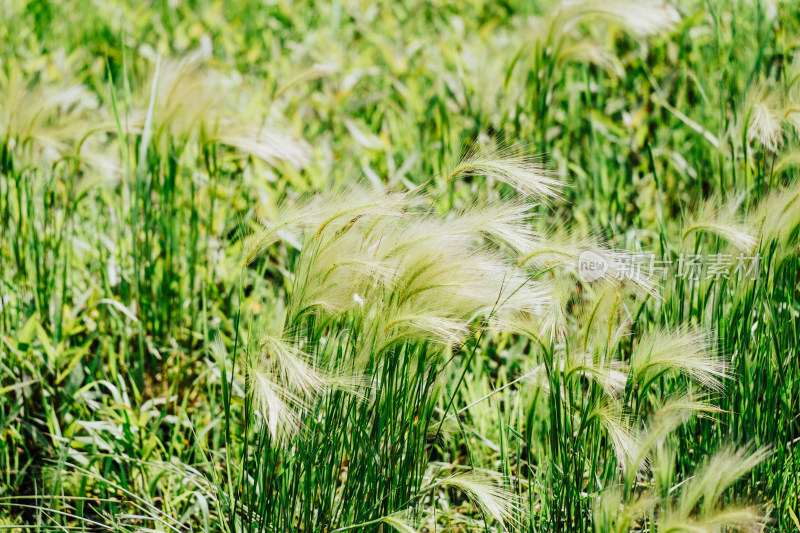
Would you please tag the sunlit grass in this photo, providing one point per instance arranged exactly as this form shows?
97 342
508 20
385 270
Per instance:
316 267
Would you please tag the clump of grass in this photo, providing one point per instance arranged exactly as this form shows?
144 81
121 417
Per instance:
693 504
397 287
148 383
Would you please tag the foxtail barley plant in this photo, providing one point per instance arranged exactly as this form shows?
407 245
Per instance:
411 266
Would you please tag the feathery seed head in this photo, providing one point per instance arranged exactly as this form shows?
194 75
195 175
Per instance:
640 17
766 120
778 218
501 504
509 165
687 351
283 383
723 222
611 417
700 497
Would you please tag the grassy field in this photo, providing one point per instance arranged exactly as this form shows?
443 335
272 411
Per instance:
403 266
